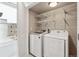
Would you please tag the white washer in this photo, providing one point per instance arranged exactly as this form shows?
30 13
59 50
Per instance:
36 44
56 44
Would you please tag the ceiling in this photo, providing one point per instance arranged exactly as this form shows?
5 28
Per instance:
44 7
11 4
14 4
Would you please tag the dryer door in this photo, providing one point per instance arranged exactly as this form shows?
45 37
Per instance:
53 47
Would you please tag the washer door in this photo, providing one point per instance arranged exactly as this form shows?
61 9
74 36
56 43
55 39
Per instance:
35 45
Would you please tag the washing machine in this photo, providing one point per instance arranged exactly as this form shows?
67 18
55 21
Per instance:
36 44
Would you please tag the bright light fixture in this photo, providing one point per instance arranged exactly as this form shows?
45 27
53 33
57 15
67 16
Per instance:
52 4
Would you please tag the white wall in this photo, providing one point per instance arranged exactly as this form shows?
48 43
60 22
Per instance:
77 29
23 28
22 31
32 21
3 30
9 13
78 17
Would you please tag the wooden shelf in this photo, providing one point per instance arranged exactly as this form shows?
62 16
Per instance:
42 21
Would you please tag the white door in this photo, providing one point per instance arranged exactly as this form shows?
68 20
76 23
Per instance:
35 45
53 47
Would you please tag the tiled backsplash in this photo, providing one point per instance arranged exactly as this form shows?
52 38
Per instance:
12 29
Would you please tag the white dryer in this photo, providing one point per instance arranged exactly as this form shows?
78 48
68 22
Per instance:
56 44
